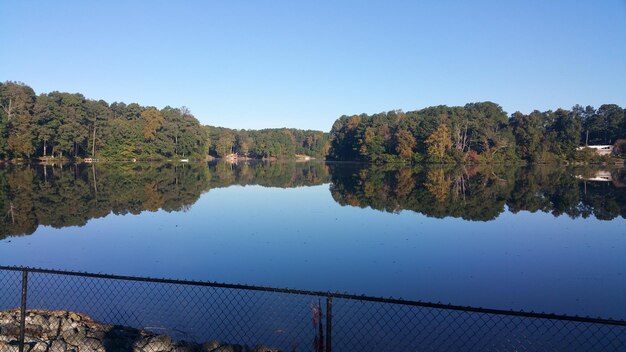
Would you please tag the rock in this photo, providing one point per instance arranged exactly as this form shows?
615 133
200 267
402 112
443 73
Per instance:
67 324
37 320
74 337
6 347
158 343
53 324
73 316
95 334
89 344
39 347
58 346
210 345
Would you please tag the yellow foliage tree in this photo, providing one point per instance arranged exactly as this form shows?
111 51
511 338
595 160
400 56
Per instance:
439 142
153 121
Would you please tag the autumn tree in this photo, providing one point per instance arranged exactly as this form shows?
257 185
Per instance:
439 142
153 120
405 142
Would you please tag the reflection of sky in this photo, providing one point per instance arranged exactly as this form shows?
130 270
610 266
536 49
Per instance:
301 238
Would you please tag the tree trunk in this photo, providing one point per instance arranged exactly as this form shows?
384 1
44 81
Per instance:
93 145
464 143
8 109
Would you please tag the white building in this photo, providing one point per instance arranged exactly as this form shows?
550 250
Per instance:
599 149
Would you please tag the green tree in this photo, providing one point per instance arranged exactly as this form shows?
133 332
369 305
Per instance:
48 117
17 102
567 129
244 143
611 117
224 144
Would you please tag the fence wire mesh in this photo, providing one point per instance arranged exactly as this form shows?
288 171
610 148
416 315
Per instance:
380 326
66 311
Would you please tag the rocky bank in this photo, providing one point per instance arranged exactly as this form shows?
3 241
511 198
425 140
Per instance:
61 331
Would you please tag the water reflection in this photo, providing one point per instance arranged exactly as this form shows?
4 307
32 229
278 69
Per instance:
481 193
61 196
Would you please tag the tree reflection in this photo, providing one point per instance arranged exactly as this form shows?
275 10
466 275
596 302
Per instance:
59 196
438 184
480 192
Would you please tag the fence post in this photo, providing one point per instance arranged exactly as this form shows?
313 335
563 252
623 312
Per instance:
23 309
329 323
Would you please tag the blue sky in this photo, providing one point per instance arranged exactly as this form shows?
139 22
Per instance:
258 64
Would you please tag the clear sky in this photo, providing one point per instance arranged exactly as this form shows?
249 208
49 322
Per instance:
302 64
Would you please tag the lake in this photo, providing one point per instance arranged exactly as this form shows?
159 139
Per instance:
539 238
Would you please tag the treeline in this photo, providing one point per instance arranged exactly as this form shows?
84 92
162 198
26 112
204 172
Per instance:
69 125
58 125
476 132
267 143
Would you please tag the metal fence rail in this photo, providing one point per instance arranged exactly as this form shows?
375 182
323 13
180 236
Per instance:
38 313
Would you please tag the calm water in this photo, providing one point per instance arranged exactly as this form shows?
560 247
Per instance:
539 238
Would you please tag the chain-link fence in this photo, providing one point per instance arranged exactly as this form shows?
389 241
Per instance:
49 310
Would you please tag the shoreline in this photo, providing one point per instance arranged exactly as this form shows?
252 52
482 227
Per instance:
47 330
614 161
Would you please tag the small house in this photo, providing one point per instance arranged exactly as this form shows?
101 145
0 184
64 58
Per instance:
599 149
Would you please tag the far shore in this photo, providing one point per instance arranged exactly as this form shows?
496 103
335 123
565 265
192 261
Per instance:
50 161
619 162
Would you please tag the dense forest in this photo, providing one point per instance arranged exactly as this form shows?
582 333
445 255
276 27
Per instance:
69 125
267 143
64 125
33 195
58 125
477 132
